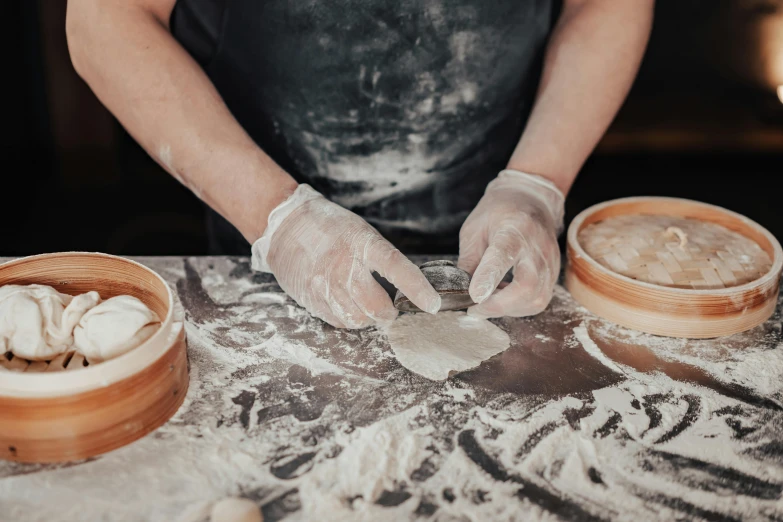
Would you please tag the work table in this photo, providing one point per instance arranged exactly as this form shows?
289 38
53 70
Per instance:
578 420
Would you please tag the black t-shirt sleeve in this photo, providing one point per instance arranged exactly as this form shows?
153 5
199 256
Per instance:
197 25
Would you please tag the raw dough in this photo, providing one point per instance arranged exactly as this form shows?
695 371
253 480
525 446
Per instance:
438 346
233 509
114 327
37 321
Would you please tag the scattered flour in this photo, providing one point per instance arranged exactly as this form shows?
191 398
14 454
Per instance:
580 332
752 359
297 353
377 458
312 422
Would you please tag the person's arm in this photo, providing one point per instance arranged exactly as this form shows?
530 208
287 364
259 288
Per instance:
590 63
123 49
321 254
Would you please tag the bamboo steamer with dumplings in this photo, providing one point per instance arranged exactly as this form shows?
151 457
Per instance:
673 267
67 409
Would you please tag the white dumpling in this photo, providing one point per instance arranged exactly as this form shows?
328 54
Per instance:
37 321
114 327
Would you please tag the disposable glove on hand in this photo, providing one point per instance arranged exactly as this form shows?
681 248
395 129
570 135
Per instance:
323 256
514 226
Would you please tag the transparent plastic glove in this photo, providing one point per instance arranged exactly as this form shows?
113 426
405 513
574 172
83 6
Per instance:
323 256
514 226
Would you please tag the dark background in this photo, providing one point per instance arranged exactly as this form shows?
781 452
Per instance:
703 121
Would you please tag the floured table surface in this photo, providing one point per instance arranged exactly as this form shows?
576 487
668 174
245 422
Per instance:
578 420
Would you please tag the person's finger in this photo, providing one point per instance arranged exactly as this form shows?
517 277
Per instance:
346 311
503 251
318 307
318 304
528 293
372 299
546 255
404 275
327 316
551 255
472 245
512 301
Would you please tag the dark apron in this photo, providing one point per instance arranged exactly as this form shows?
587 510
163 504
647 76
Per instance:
400 111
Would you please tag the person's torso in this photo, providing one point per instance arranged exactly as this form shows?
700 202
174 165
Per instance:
401 111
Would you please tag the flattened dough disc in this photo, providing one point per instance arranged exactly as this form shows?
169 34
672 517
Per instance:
441 345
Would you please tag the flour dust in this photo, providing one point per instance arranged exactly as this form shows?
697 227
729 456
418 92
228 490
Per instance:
302 419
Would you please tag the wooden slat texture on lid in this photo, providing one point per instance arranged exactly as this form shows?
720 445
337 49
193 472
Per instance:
673 267
674 251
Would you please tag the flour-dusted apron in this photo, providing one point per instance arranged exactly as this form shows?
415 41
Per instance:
401 111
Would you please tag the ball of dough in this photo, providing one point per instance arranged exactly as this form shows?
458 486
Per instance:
114 327
37 321
233 509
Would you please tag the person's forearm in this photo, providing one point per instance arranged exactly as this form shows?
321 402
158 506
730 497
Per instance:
129 58
590 63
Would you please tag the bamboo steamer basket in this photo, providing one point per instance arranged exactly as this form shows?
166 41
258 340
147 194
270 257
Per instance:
67 409
664 298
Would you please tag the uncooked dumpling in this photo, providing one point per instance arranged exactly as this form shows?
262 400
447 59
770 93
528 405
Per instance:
114 327
37 321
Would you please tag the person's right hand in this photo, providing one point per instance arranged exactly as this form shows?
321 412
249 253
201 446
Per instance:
323 256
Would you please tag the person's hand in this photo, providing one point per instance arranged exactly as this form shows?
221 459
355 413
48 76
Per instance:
323 256
514 226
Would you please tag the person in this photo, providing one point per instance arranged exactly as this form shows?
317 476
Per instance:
326 132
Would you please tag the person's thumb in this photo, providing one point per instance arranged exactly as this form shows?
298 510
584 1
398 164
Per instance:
503 251
471 249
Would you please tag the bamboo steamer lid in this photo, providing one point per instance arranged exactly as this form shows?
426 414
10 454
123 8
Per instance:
673 267
68 409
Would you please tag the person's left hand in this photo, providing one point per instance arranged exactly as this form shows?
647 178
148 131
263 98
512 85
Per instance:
514 226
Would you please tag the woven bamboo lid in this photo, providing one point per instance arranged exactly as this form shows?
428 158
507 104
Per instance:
673 267
674 251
